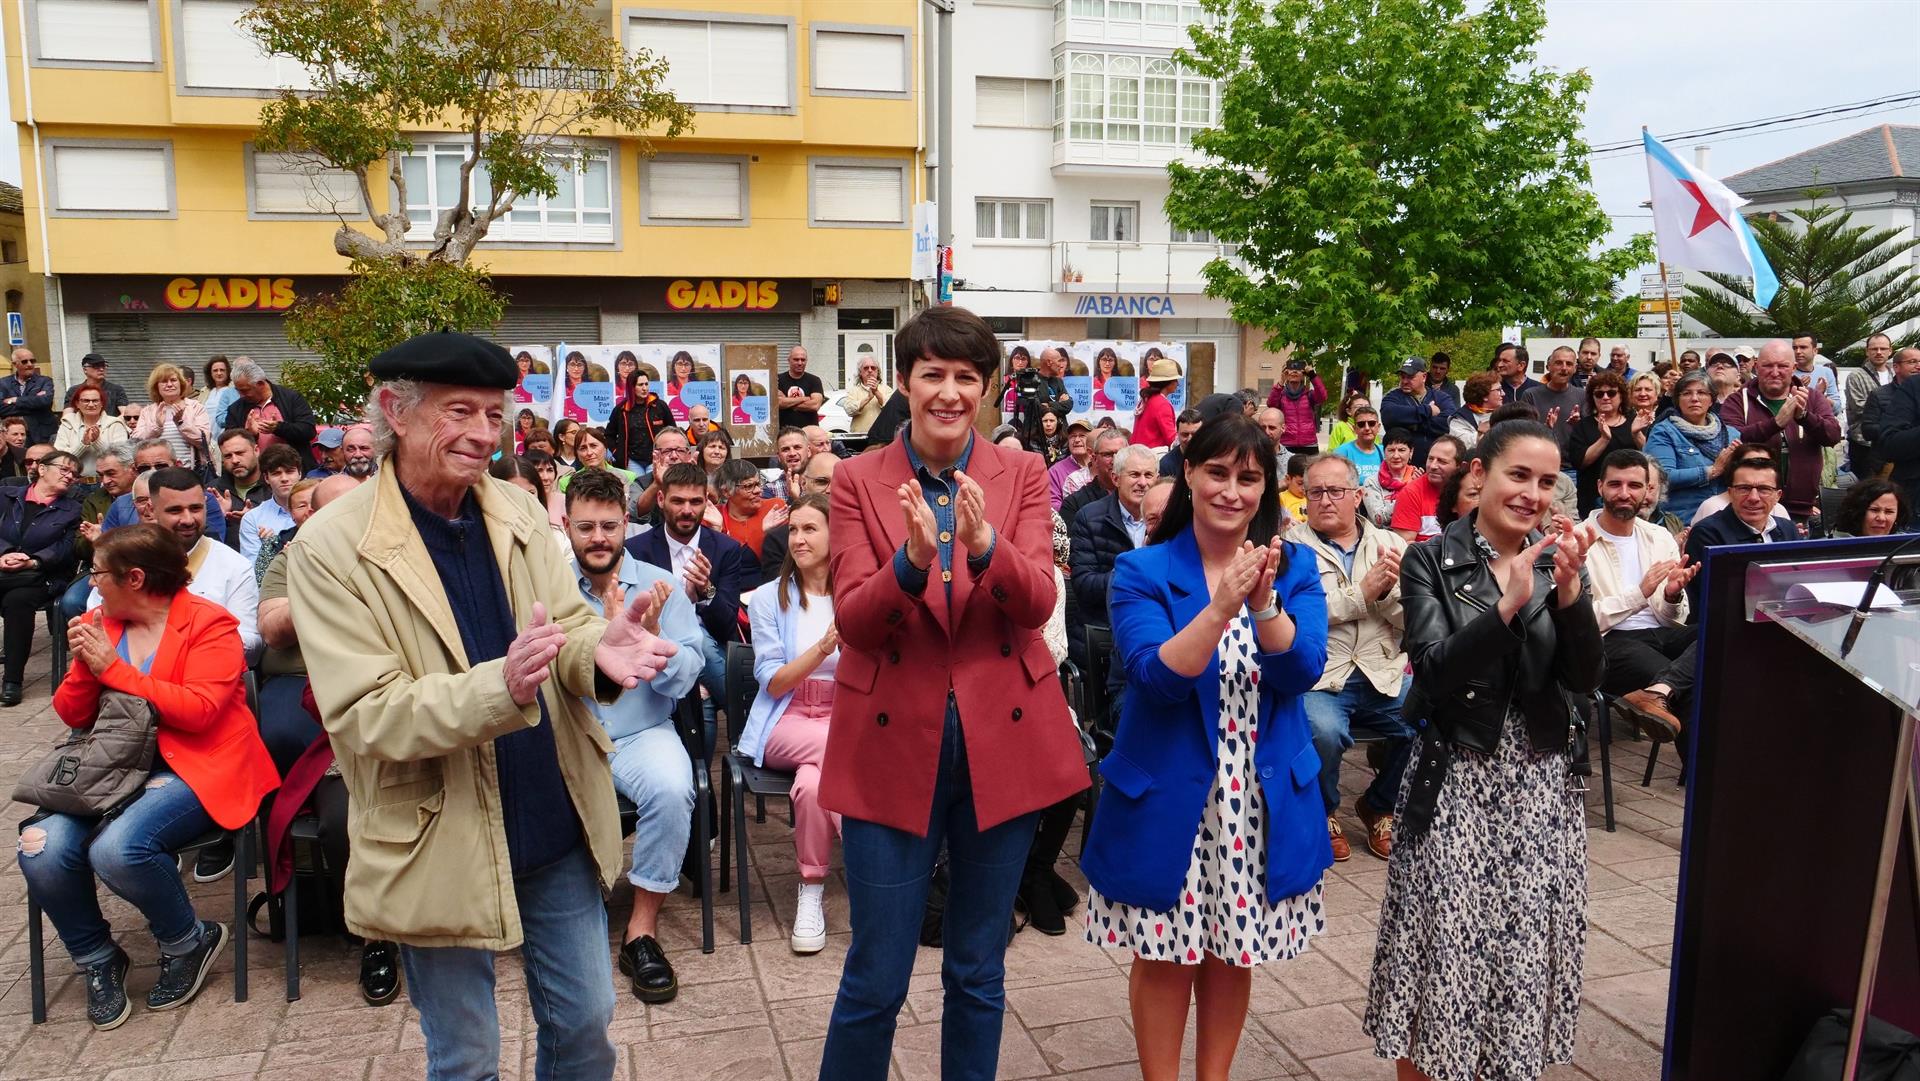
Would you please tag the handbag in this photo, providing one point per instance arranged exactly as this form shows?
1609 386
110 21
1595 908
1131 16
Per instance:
98 768
1887 1052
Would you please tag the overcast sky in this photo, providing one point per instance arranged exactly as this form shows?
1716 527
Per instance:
1677 65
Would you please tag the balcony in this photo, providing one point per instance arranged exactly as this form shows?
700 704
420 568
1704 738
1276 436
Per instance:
1091 157
1153 23
1092 266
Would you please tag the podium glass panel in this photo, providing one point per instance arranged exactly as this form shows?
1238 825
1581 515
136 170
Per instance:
1885 654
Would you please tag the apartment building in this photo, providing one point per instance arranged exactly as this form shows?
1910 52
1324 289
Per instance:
781 218
1067 113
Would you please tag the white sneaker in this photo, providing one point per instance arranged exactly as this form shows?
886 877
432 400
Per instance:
810 921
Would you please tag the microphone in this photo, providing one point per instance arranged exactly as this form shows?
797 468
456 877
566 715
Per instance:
1879 575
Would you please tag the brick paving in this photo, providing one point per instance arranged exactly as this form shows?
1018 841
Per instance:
757 1011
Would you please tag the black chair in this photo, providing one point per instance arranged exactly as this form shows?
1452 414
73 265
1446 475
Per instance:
1074 685
689 722
1602 731
1098 719
743 777
57 658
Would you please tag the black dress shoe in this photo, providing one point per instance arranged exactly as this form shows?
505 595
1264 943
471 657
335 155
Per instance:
646 964
9 694
1043 912
379 972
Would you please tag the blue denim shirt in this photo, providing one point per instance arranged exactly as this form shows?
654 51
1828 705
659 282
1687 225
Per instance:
939 492
651 703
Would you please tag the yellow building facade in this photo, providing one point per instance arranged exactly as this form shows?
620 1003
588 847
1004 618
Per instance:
783 217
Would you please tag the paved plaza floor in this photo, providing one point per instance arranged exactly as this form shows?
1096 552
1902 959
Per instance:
758 1011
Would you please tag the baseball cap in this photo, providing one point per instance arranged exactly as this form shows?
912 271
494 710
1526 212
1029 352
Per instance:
330 438
1722 360
1412 366
1081 423
1745 352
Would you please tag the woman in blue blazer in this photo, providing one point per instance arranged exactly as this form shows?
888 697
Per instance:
1206 856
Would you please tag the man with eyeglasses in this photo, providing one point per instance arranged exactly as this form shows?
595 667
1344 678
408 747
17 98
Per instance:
1778 410
1364 684
1363 450
1100 479
670 448
1747 518
30 459
26 393
150 455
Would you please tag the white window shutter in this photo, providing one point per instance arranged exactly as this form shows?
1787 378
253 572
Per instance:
753 64
1000 102
110 178
221 55
855 61
114 31
284 184
858 193
683 45
698 190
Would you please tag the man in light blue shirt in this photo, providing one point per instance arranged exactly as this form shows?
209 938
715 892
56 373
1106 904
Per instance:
280 464
650 766
1363 450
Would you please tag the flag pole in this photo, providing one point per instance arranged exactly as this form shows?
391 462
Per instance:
1666 290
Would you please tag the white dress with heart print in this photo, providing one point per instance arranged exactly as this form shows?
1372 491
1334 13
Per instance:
1223 908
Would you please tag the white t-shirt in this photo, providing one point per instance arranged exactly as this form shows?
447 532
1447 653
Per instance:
811 626
1626 551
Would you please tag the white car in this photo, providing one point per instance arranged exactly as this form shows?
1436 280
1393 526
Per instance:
833 415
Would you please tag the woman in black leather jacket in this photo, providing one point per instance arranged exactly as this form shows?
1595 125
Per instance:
1483 930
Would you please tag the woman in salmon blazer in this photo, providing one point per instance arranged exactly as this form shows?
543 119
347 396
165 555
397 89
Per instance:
949 725
153 640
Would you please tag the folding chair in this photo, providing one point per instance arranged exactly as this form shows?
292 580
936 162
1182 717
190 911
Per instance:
742 777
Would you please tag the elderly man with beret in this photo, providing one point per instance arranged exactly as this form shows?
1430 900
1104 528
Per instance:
452 653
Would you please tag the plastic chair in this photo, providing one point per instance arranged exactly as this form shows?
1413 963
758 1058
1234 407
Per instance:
57 657
743 777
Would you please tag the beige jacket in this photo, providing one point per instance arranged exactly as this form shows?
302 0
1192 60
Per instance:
1615 600
1361 633
413 724
863 408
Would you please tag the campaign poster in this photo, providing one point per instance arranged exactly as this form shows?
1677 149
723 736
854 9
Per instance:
1018 356
747 398
583 370
1112 382
611 364
535 383
689 377
1174 352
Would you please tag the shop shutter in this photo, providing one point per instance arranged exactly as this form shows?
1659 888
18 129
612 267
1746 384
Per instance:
782 330
133 342
523 325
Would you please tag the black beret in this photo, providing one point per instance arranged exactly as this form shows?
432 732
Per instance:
450 357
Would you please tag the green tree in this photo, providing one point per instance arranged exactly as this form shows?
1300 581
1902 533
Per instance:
1392 169
384 302
1838 281
517 81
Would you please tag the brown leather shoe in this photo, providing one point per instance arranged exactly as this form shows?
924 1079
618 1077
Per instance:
1651 709
1342 851
1379 829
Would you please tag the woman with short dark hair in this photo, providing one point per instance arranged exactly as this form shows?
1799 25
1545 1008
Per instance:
38 523
151 640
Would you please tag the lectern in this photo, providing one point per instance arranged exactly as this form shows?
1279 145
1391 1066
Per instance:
1799 884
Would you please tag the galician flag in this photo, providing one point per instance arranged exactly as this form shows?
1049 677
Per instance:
1697 222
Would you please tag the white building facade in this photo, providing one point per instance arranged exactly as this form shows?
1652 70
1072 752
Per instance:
1069 112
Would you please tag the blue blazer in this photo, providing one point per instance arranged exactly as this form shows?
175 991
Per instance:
1164 759
732 563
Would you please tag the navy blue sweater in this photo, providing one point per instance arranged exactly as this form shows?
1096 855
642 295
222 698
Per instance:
541 824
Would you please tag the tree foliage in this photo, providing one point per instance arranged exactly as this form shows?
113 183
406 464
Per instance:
1392 169
1838 281
516 80
384 303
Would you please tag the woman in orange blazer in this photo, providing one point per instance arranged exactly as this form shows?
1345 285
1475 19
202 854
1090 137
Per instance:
949 724
153 640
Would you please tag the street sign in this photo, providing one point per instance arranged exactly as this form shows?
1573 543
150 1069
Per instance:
1675 279
1656 319
16 328
1660 305
1653 332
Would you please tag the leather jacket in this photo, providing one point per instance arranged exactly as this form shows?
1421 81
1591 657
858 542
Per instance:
1468 665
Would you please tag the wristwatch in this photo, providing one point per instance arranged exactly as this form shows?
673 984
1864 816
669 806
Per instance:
708 593
1271 611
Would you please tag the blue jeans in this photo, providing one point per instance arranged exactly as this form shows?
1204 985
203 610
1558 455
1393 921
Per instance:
1335 715
132 855
650 768
569 984
888 871
73 602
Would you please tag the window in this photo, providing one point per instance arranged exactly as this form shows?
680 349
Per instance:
747 64
217 54
859 61
1150 12
580 211
857 192
1012 103
112 180
94 31
9 251
694 191
1191 236
1126 98
997 219
293 184
1114 222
